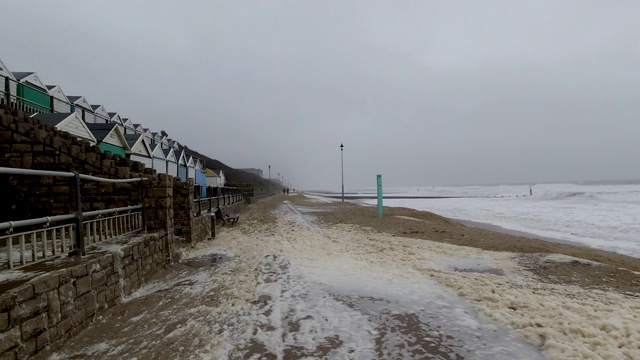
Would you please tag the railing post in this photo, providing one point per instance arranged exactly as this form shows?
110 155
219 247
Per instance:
209 193
80 248
143 226
7 89
199 196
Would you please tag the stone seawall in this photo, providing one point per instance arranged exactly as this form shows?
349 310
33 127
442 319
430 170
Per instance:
58 303
52 307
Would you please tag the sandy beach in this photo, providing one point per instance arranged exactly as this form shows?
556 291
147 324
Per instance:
306 277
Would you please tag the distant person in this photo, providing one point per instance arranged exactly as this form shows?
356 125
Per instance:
284 191
287 191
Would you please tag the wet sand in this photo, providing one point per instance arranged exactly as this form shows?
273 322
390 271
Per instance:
299 277
618 275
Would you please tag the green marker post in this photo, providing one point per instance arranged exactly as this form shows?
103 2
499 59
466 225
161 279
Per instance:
379 195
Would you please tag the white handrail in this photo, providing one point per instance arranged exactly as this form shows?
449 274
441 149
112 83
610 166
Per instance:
18 171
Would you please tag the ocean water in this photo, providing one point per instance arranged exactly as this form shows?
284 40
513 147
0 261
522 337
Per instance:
600 215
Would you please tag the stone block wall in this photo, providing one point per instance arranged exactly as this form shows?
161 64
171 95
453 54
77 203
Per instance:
27 144
183 205
57 305
159 202
201 228
187 226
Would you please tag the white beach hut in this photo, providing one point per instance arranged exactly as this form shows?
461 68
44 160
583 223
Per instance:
159 159
191 167
82 107
140 150
172 161
68 122
101 114
60 101
7 77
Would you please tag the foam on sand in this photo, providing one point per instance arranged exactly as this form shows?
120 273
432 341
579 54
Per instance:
295 289
565 321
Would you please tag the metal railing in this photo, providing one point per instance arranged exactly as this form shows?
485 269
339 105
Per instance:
207 199
47 237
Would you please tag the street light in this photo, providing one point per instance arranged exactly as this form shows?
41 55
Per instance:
342 168
269 179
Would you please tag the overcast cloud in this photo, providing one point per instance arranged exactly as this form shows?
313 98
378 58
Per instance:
423 92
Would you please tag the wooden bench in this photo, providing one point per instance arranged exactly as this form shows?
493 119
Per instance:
224 213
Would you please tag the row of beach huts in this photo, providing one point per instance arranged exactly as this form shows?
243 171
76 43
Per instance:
111 131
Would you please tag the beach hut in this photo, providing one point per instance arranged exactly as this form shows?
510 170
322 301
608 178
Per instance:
164 140
68 122
148 136
138 129
101 114
81 106
223 179
115 118
59 101
8 83
182 164
157 138
191 167
159 159
201 176
212 178
139 149
128 125
172 161
173 144
32 94
109 138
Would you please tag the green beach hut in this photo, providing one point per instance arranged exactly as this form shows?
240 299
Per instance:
33 96
110 138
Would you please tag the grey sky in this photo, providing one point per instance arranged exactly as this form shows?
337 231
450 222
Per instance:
423 92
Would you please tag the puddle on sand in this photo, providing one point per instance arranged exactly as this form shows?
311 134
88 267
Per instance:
402 333
209 260
469 265
493 271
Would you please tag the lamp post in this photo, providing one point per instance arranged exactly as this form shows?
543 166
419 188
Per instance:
269 179
342 168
